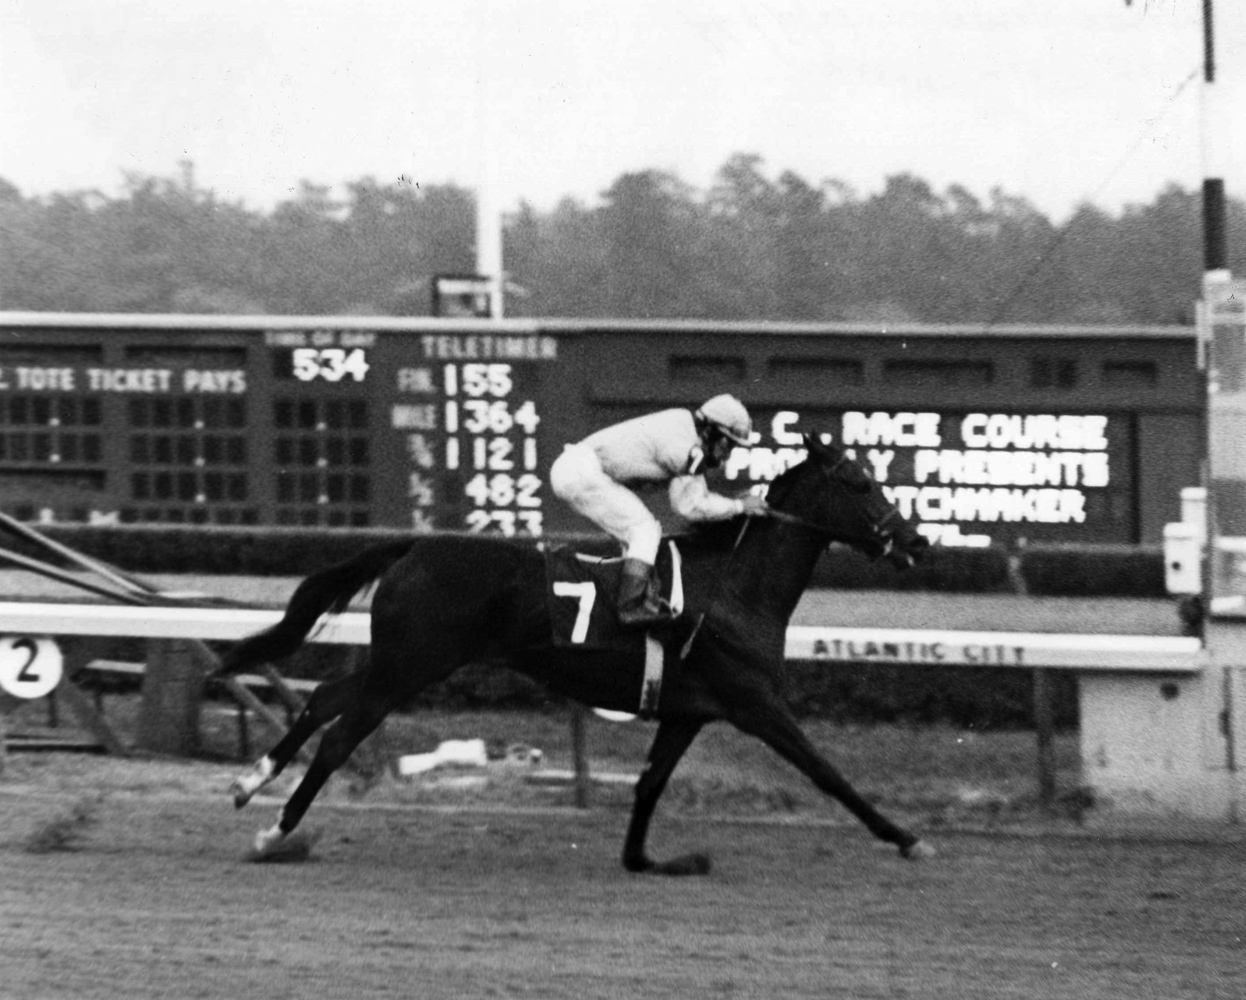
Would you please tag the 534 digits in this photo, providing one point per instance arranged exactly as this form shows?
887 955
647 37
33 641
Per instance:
332 364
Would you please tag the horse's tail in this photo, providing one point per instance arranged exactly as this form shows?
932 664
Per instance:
327 592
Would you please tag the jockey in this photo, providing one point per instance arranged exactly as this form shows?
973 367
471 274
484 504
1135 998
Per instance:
674 446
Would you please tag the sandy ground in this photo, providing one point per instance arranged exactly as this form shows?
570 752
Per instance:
152 897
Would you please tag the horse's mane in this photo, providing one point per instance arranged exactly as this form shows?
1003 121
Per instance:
715 536
722 535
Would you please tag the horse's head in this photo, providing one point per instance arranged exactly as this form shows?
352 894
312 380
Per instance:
832 492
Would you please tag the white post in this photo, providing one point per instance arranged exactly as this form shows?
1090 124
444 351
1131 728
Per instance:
488 209
489 246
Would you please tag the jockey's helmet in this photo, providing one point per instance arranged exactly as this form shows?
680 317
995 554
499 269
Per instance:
727 415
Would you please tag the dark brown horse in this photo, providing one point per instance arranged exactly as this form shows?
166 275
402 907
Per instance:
444 601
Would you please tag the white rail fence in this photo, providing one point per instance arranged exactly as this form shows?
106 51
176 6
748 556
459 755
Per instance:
1139 694
832 644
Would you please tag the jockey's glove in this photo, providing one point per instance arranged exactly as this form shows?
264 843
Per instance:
754 506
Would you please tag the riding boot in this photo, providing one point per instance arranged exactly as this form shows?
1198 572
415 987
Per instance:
639 603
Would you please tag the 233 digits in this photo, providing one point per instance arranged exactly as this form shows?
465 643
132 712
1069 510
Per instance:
507 522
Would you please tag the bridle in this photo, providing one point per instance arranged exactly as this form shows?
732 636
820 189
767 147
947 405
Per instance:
878 529
879 534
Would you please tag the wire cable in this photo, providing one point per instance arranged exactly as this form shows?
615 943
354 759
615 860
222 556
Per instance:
1045 257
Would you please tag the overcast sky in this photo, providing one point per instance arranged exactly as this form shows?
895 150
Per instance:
1059 101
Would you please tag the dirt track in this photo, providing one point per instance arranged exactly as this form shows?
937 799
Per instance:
158 902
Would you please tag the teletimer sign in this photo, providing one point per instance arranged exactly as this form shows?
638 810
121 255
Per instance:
460 413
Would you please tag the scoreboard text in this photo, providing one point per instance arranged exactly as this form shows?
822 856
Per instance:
423 424
964 475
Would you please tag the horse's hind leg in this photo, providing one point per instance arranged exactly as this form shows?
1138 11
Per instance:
359 719
771 721
326 703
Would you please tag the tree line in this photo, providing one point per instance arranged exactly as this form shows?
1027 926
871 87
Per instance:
750 247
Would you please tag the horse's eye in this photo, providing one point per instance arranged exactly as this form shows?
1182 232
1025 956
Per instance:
856 480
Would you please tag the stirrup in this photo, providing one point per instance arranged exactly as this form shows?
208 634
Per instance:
652 610
644 616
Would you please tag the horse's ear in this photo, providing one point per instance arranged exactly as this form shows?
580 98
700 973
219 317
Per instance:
815 446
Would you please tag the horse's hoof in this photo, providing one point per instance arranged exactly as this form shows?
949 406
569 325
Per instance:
273 846
247 785
267 840
688 864
242 795
917 851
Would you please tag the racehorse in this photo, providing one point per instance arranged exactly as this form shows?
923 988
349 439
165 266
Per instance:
442 601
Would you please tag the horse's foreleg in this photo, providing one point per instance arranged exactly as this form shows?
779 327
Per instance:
673 737
326 703
773 723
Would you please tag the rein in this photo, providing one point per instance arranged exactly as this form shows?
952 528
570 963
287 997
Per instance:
784 517
880 536
722 582
877 528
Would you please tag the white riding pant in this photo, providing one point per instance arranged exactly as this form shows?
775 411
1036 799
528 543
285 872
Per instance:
578 478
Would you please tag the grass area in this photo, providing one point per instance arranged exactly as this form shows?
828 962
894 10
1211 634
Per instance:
930 774
937 772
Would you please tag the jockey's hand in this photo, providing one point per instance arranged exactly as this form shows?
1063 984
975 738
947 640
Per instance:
754 506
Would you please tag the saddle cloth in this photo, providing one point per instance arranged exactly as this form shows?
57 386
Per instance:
582 596
582 593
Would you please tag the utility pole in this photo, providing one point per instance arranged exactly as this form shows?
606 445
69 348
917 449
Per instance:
1222 333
